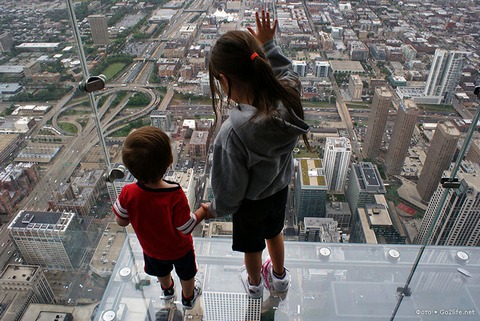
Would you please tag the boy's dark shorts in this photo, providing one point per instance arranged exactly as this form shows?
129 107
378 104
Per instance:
258 220
185 267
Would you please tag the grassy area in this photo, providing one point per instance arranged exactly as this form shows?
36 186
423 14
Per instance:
312 121
318 104
78 99
68 127
357 106
113 69
128 128
45 132
194 99
73 111
204 116
427 107
305 154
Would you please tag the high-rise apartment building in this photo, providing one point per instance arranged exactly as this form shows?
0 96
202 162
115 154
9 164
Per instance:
364 182
439 158
405 122
355 87
198 145
377 120
21 285
458 223
310 189
473 153
161 119
336 159
444 75
187 182
99 29
50 239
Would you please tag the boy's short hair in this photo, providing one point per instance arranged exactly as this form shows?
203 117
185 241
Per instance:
147 154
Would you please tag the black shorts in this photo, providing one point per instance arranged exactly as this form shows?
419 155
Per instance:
258 220
185 267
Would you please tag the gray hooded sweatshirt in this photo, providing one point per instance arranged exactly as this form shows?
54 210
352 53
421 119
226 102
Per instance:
252 158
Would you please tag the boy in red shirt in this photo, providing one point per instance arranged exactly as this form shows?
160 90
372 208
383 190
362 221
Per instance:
159 213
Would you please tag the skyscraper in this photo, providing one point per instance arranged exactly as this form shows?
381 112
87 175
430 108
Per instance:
401 135
364 182
375 224
459 220
336 159
376 122
355 87
26 281
99 29
439 157
310 189
444 75
50 239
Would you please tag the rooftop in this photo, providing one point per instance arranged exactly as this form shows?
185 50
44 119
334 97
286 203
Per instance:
53 221
313 174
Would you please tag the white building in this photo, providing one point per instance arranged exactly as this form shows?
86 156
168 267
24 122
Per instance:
186 182
53 240
458 223
300 67
337 33
444 75
322 69
336 159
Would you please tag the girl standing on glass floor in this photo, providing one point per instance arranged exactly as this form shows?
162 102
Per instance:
252 153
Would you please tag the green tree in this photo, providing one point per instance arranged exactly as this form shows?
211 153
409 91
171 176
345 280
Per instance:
139 99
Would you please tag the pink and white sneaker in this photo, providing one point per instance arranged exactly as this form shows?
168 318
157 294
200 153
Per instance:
272 283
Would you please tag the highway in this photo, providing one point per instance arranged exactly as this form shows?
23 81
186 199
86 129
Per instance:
347 120
74 151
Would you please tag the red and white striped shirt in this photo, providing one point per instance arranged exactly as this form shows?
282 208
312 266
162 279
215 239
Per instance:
161 219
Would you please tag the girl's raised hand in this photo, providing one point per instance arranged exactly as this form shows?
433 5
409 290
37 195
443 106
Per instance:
265 31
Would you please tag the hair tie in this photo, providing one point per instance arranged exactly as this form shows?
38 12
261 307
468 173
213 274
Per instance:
254 55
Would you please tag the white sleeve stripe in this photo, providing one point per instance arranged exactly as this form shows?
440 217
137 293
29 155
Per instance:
119 206
119 210
188 227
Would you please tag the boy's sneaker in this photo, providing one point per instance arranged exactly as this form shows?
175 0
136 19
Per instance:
168 293
189 304
271 281
253 291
